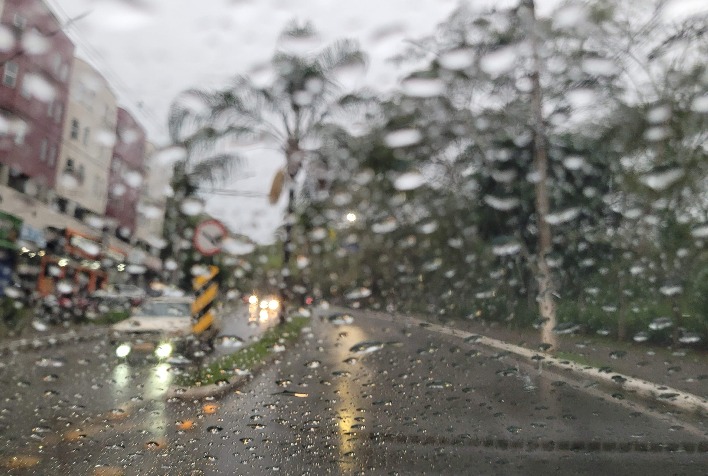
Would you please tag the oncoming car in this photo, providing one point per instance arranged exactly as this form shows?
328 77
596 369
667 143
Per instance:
160 328
262 308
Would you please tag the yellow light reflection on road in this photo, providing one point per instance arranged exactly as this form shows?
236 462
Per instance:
159 380
347 406
21 461
121 376
263 315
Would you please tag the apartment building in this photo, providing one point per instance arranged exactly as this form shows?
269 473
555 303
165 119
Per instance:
89 135
127 175
34 90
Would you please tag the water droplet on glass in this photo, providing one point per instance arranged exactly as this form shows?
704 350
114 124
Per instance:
40 88
340 319
408 181
599 67
500 203
563 216
457 59
662 180
660 323
689 338
700 104
566 328
192 206
499 62
403 138
423 87
366 347
641 337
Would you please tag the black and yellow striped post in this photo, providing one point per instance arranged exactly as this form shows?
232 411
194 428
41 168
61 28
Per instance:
206 289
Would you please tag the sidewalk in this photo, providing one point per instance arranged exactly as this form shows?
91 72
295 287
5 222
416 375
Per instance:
681 368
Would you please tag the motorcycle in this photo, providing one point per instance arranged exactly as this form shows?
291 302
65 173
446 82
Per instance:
62 309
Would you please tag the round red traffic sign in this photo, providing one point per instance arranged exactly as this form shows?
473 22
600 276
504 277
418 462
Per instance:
208 237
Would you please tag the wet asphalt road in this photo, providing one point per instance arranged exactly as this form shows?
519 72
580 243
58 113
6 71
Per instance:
421 403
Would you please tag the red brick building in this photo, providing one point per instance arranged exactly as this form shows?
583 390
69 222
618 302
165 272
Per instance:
35 67
127 174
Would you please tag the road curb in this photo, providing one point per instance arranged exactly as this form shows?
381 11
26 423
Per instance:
642 388
206 391
49 341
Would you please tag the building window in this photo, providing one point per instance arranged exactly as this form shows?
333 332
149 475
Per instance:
87 131
19 21
69 165
10 71
82 170
74 128
50 109
56 62
20 133
43 150
24 90
58 112
52 155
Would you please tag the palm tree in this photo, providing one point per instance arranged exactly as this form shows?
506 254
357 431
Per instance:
291 113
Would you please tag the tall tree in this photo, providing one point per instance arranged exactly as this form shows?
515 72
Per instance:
291 112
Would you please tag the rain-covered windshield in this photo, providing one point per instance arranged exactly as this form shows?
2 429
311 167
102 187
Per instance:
416 237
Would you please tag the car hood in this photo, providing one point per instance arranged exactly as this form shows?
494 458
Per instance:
165 325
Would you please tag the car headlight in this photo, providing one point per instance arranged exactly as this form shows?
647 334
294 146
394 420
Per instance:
273 304
123 350
164 350
253 299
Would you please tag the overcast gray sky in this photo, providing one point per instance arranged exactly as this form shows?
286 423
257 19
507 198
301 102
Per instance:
151 50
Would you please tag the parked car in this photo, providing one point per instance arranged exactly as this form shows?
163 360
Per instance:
161 327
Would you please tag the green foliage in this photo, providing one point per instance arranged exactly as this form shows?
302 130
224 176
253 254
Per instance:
112 317
248 358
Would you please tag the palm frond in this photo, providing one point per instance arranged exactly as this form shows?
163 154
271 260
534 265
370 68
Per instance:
297 30
216 169
341 54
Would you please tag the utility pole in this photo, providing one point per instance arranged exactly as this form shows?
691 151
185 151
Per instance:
546 305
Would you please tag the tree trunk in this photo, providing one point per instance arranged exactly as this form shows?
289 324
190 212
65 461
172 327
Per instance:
546 304
285 287
622 318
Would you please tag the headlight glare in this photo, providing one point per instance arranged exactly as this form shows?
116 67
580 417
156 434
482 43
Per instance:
163 350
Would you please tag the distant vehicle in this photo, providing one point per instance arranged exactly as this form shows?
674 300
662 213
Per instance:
262 308
120 294
161 327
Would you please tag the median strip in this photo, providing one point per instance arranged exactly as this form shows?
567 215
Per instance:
234 369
